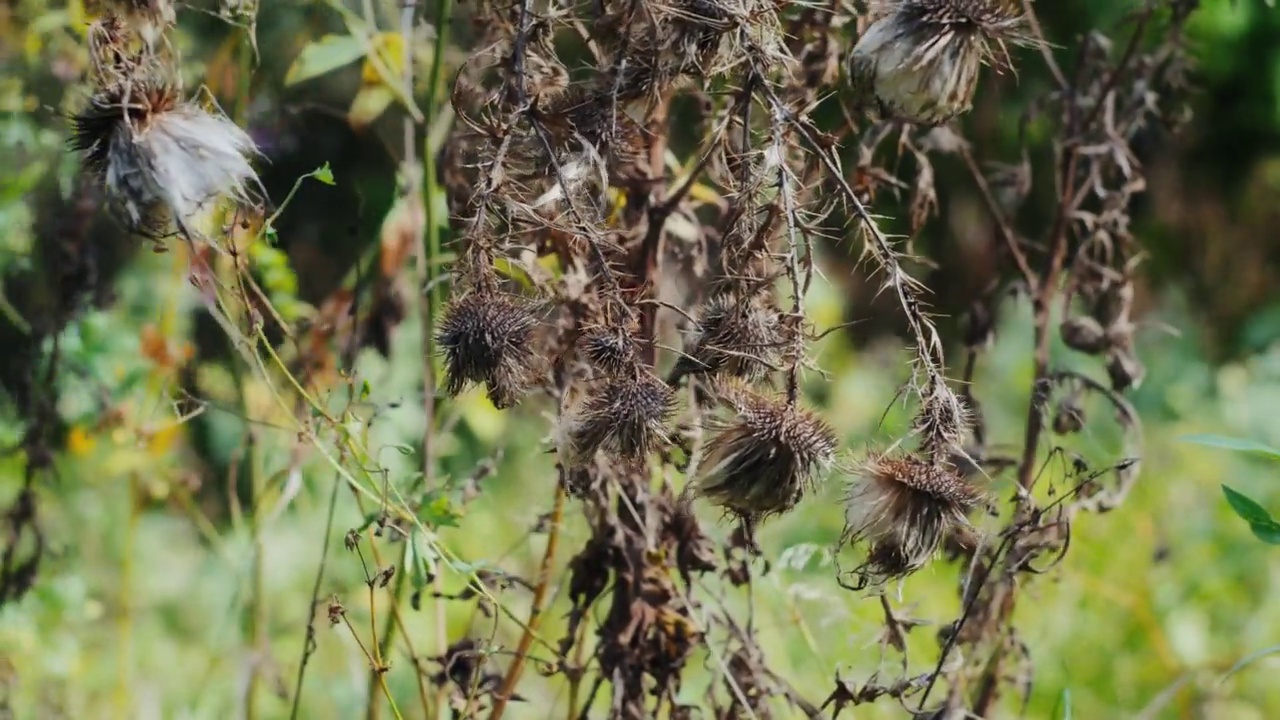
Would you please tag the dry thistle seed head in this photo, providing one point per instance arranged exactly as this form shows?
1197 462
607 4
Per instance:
904 507
487 338
920 59
763 460
610 349
153 151
734 337
627 418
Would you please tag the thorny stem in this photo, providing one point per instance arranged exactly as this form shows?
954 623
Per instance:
929 354
589 230
793 263
535 611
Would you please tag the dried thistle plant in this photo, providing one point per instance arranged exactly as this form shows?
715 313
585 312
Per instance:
565 166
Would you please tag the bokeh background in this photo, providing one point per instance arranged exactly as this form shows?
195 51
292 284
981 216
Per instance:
156 573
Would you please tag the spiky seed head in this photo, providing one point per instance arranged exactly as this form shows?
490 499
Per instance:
765 457
486 338
157 154
734 337
903 507
920 59
610 349
626 418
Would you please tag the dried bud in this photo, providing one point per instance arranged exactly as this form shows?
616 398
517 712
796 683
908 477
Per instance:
920 60
904 507
763 460
610 349
157 154
733 337
1114 304
1069 416
1084 334
1124 368
487 338
627 419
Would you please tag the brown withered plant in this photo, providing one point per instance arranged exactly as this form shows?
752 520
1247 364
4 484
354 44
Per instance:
639 190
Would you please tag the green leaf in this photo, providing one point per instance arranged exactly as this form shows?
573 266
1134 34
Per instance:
1264 527
324 174
323 56
1268 533
1230 443
1246 508
438 511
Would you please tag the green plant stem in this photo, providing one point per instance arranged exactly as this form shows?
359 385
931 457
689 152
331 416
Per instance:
125 626
309 640
428 252
512 677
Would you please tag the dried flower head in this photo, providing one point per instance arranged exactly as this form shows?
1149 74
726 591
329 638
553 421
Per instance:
160 156
763 460
627 418
732 336
486 337
904 507
610 349
921 58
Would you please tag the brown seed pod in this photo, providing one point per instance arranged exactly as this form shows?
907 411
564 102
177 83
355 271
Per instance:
904 507
920 59
1084 334
626 418
486 337
734 337
1069 416
1125 369
764 459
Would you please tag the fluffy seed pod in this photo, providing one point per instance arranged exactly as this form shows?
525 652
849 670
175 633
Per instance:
904 507
486 338
740 338
626 418
763 460
920 59
159 156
